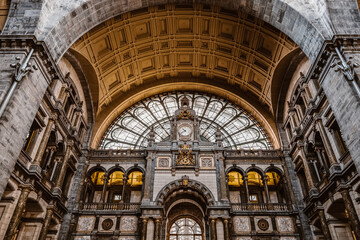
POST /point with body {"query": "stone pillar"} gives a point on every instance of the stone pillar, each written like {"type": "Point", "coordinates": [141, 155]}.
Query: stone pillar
{"type": "Point", "coordinates": [157, 229]}
{"type": "Point", "coordinates": [308, 176]}
{"type": "Point", "coordinates": [226, 229]}
{"type": "Point", "coordinates": [57, 189]}
{"type": "Point", "coordinates": [324, 225]}
{"type": "Point", "coordinates": [20, 208]}
{"type": "Point", "coordinates": [102, 198]}
{"type": "Point", "coordinates": [144, 228]}
{"type": "Point", "coordinates": [123, 189]}
{"type": "Point", "coordinates": [223, 192]}
{"type": "Point", "coordinates": [44, 142]}
{"type": "Point", "coordinates": [148, 177]}
{"type": "Point", "coordinates": [213, 229]}
{"type": "Point", "coordinates": [350, 208]}
{"type": "Point", "coordinates": [246, 189]}
{"type": "Point", "coordinates": [327, 145]}
{"type": "Point", "coordinates": [47, 220]}
{"type": "Point", "coordinates": [266, 189]}
{"type": "Point", "coordinates": [322, 160]}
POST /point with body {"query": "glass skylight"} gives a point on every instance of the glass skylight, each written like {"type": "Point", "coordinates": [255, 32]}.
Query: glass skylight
{"type": "Point", "coordinates": [131, 129]}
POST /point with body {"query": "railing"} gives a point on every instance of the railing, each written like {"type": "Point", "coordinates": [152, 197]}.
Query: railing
{"type": "Point", "coordinates": [253, 153]}
{"type": "Point", "coordinates": [117, 153]}
{"type": "Point", "coordinates": [110, 206]}
{"type": "Point", "coordinates": [261, 207]}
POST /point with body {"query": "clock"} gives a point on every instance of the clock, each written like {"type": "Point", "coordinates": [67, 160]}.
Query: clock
{"type": "Point", "coordinates": [184, 131]}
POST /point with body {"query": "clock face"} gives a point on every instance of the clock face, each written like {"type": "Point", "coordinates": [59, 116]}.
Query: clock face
{"type": "Point", "coordinates": [184, 131]}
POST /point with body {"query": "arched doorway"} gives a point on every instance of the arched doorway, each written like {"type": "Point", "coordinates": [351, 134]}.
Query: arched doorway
{"type": "Point", "coordinates": [185, 203]}
{"type": "Point", "coordinates": [185, 228]}
{"type": "Point", "coordinates": [185, 221]}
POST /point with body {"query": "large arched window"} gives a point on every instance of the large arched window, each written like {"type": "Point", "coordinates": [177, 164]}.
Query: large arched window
{"type": "Point", "coordinates": [131, 128]}
{"type": "Point", "coordinates": [185, 229]}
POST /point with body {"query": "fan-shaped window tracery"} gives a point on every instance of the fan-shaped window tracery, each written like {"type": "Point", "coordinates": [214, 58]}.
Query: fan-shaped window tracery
{"type": "Point", "coordinates": [131, 128]}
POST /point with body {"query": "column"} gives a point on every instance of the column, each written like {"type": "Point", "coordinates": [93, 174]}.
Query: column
{"type": "Point", "coordinates": [213, 229]}
{"type": "Point", "coordinates": [157, 229]}
{"type": "Point", "coordinates": [324, 225]}
{"type": "Point", "coordinates": [57, 189]}
{"type": "Point", "coordinates": [15, 219]}
{"type": "Point", "coordinates": [266, 189]}
{"type": "Point", "coordinates": [47, 220]}
{"type": "Point", "coordinates": [123, 189]}
{"type": "Point", "coordinates": [226, 229]}
{"type": "Point", "coordinates": [308, 176]}
{"type": "Point", "coordinates": [327, 145]}
{"type": "Point", "coordinates": [143, 228]}
{"type": "Point", "coordinates": [246, 189]}
{"type": "Point", "coordinates": [44, 142]}
{"type": "Point", "coordinates": [223, 195]}
{"type": "Point", "coordinates": [148, 176]}
{"type": "Point", "coordinates": [349, 205]}
{"type": "Point", "coordinates": [321, 159]}
{"type": "Point", "coordinates": [102, 198]}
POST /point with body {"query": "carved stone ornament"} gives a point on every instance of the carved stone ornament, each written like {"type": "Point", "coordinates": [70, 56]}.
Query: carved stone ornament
{"type": "Point", "coordinates": [185, 115]}
{"type": "Point", "coordinates": [206, 162]}
{"type": "Point", "coordinates": [107, 224]}
{"type": "Point", "coordinates": [185, 158]}
{"type": "Point", "coordinates": [163, 162]}
{"type": "Point", "coordinates": [263, 224]}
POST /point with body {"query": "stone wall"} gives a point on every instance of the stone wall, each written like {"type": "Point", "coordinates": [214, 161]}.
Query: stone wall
{"type": "Point", "coordinates": [20, 112]}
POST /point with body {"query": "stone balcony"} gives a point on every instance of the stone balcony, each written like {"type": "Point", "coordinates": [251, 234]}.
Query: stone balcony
{"type": "Point", "coordinates": [261, 207]}
{"type": "Point", "coordinates": [109, 206]}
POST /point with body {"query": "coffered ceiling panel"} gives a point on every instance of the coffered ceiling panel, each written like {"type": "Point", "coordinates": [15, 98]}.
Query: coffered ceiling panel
{"type": "Point", "coordinates": [168, 41]}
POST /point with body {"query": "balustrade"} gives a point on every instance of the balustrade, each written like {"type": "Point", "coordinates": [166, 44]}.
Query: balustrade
{"type": "Point", "coordinates": [261, 207]}
{"type": "Point", "coordinates": [111, 206]}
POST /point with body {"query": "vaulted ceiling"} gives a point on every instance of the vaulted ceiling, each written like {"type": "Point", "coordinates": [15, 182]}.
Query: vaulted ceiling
{"type": "Point", "coordinates": [183, 40]}
{"type": "Point", "coordinates": [229, 49]}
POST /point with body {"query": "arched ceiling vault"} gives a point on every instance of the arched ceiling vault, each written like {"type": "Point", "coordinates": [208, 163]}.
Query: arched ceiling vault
{"type": "Point", "coordinates": [227, 51]}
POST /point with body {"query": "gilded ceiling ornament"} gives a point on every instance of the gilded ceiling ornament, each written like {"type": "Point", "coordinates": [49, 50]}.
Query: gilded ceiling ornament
{"type": "Point", "coordinates": [185, 115]}
{"type": "Point", "coordinates": [185, 158]}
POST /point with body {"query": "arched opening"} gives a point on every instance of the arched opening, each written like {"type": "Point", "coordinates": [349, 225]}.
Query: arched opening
{"type": "Point", "coordinates": [185, 228]}
{"type": "Point", "coordinates": [237, 190]}
{"type": "Point", "coordinates": [94, 188]}
{"type": "Point", "coordinates": [185, 219]}
{"type": "Point", "coordinates": [115, 187]}
{"type": "Point", "coordinates": [256, 187]}
{"type": "Point", "coordinates": [340, 222]}
{"type": "Point", "coordinates": [133, 188]}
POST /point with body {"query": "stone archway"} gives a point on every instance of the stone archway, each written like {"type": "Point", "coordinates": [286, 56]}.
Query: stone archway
{"type": "Point", "coordinates": [78, 17]}
{"type": "Point", "coordinates": [192, 186]}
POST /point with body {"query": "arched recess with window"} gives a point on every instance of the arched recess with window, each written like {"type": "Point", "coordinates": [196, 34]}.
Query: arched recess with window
{"type": "Point", "coordinates": [115, 185]}
{"type": "Point", "coordinates": [236, 185]}
{"type": "Point", "coordinates": [185, 205]}
{"type": "Point", "coordinates": [256, 186]}
{"type": "Point", "coordinates": [277, 186]}
{"type": "Point", "coordinates": [134, 185]}
{"type": "Point", "coordinates": [95, 184]}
